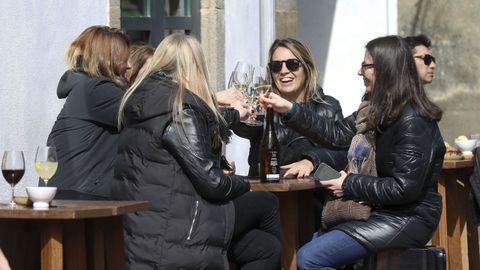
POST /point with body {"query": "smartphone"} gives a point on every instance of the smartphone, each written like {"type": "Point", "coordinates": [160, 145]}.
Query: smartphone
{"type": "Point", "coordinates": [325, 172]}
{"type": "Point", "coordinates": [224, 164]}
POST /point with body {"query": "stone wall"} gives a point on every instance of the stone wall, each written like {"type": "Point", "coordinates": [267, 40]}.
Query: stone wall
{"type": "Point", "coordinates": [453, 28]}
{"type": "Point", "coordinates": [286, 18]}
{"type": "Point", "coordinates": [213, 39]}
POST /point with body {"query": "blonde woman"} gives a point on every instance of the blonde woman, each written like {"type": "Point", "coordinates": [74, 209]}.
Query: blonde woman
{"type": "Point", "coordinates": [169, 155]}
{"type": "Point", "coordinates": [85, 132]}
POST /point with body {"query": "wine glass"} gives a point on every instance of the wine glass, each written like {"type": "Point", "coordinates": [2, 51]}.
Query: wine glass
{"type": "Point", "coordinates": [13, 168]}
{"type": "Point", "coordinates": [261, 84]}
{"type": "Point", "coordinates": [241, 79]}
{"type": "Point", "coordinates": [241, 76]}
{"type": "Point", "coordinates": [46, 163]}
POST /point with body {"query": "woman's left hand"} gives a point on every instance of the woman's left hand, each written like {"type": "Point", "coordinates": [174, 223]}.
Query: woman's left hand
{"type": "Point", "coordinates": [335, 185]}
{"type": "Point", "coordinates": [301, 168]}
{"type": "Point", "coordinates": [232, 165]}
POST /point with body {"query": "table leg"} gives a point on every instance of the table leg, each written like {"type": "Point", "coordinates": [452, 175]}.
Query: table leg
{"type": "Point", "coordinates": [457, 231]}
{"type": "Point", "coordinates": [51, 243]}
{"type": "Point", "coordinates": [440, 236]}
{"type": "Point", "coordinates": [115, 253]}
{"type": "Point", "coordinates": [106, 247]}
{"type": "Point", "coordinates": [74, 244]}
{"type": "Point", "coordinates": [96, 243]}
{"type": "Point", "coordinates": [296, 213]}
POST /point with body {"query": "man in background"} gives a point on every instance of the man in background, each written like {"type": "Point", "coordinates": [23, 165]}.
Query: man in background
{"type": "Point", "coordinates": [420, 46]}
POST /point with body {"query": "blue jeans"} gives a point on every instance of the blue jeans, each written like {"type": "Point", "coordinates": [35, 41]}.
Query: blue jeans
{"type": "Point", "coordinates": [330, 250]}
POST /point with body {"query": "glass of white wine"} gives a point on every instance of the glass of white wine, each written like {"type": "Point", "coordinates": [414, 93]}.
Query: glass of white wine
{"type": "Point", "coordinates": [46, 163]}
{"type": "Point", "coordinates": [241, 76]}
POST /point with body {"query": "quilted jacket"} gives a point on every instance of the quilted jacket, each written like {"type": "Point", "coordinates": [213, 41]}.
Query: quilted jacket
{"type": "Point", "coordinates": [189, 223]}
{"type": "Point", "coordinates": [409, 157]}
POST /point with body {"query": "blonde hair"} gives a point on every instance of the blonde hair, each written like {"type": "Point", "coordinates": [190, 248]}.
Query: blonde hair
{"type": "Point", "coordinates": [308, 63]}
{"type": "Point", "coordinates": [181, 57]}
{"type": "Point", "coordinates": [99, 51]}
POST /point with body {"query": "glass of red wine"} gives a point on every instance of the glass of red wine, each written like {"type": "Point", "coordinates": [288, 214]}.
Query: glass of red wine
{"type": "Point", "coordinates": [13, 168]}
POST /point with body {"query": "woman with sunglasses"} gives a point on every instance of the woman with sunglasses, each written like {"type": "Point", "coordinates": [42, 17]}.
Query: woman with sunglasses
{"type": "Point", "coordinates": [294, 78]}
{"type": "Point", "coordinates": [401, 124]}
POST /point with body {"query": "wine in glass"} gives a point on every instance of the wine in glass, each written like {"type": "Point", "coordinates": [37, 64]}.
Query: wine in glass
{"type": "Point", "coordinates": [46, 163]}
{"type": "Point", "coordinates": [241, 76]}
{"type": "Point", "coordinates": [13, 168]}
{"type": "Point", "coordinates": [261, 84]}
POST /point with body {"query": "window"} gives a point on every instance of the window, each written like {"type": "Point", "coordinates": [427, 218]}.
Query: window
{"type": "Point", "coordinates": [148, 21]}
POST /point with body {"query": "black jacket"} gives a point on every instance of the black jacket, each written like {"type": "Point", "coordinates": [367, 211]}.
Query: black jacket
{"type": "Point", "coordinates": [190, 219]}
{"type": "Point", "coordinates": [295, 144]}
{"type": "Point", "coordinates": [409, 157]}
{"type": "Point", "coordinates": [85, 136]}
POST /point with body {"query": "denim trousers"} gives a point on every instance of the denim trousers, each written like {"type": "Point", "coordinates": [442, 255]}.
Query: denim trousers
{"type": "Point", "coordinates": [330, 250]}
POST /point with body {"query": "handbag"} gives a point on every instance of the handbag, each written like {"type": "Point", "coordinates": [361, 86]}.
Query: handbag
{"type": "Point", "coordinates": [340, 210]}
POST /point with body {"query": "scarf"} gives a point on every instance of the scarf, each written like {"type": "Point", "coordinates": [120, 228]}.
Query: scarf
{"type": "Point", "coordinates": [361, 154]}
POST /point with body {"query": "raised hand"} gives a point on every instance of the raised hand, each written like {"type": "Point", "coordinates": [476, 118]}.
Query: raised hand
{"type": "Point", "coordinates": [272, 100]}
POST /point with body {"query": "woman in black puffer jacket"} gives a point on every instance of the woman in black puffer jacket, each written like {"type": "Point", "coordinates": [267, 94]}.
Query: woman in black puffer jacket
{"type": "Point", "coordinates": [169, 154]}
{"type": "Point", "coordinates": [409, 153]}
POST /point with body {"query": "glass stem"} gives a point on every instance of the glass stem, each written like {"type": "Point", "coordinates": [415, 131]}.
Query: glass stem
{"type": "Point", "coordinates": [12, 201]}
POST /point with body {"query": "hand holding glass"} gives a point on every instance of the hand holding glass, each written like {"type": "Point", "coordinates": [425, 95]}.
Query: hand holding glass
{"type": "Point", "coordinates": [13, 168]}
{"type": "Point", "coordinates": [46, 162]}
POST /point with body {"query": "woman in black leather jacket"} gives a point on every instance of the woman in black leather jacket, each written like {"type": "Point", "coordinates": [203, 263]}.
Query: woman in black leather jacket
{"type": "Point", "coordinates": [409, 153]}
{"type": "Point", "coordinates": [294, 77]}
{"type": "Point", "coordinates": [169, 155]}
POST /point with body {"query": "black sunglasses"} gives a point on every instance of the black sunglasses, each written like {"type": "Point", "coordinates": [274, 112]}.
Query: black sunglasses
{"type": "Point", "coordinates": [427, 59]}
{"type": "Point", "coordinates": [292, 65]}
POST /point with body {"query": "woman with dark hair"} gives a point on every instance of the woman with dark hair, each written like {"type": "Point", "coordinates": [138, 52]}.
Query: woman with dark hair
{"type": "Point", "coordinates": [140, 57]}
{"type": "Point", "coordinates": [294, 77]}
{"type": "Point", "coordinates": [85, 133]}
{"type": "Point", "coordinates": [396, 125]}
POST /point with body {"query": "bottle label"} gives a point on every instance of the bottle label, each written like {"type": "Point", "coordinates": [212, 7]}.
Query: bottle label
{"type": "Point", "coordinates": [271, 177]}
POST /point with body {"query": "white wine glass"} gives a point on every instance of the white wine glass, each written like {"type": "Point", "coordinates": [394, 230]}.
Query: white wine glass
{"type": "Point", "coordinates": [241, 76]}
{"type": "Point", "coordinates": [261, 84]}
{"type": "Point", "coordinates": [13, 168]}
{"type": "Point", "coordinates": [241, 79]}
{"type": "Point", "coordinates": [46, 163]}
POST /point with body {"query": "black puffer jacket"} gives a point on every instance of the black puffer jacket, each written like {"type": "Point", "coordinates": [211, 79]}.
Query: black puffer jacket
{"type": "Point", "coordinates": [295, 144]}
{"type": "Point", "coordinates": [85, 136]}
{"type": "Point", "coordinates": [409, 157]}
{"type": "Point", "coordinates": [190, 220]}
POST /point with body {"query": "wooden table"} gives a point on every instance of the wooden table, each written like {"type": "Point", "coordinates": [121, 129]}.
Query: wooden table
{"type": "Point", "coordinates": [70, 235]}
{"type": "Point", "coordinates": [296, 213]}
{"type": "Point", "coordinates": [457, 231]}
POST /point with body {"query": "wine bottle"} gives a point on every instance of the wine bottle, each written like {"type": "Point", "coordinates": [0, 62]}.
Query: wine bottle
{"type": "Point", "coordinates": [269, 152]}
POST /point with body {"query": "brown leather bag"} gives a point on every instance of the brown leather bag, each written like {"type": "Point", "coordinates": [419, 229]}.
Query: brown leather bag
{"type": "Point", "coordinates": [340, 210]}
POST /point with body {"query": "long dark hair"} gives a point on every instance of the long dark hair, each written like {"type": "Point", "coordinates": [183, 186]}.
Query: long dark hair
{"type": "Point", "coordinates": [396, 83]}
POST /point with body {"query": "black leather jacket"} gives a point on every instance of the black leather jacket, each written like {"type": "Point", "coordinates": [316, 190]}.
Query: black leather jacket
{"type": "Point", "coordinates": [409, 157]}
{"type": "Point", "coordinates": [295, 143]}
{"type": "Point", "coordinates": [190, 219]}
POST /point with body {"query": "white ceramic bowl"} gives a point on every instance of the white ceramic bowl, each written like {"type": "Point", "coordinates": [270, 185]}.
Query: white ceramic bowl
{"type": "Point", "coordinates": [466, 146]}
{"type": "Point", "coordinates": [41, 196]}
